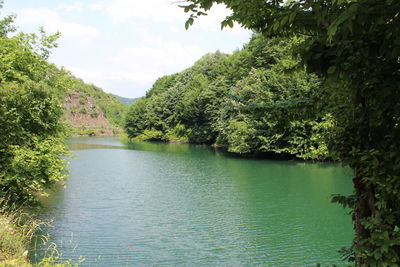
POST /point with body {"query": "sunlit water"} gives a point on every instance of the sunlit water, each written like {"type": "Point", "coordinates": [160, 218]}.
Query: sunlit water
{"type": "Point", "coordinates": [156, 204]}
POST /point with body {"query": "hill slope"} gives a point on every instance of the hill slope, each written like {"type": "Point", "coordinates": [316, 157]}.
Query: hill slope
{"type": "Point", "coordinates": [257, 100]}
{"type": "Point", "coordinates": [126, 101]}
{"type": "Point", "coordinates": [91, 111]}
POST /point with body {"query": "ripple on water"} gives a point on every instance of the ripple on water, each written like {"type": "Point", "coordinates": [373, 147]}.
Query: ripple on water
{"type": "Point", "coordinates": [181, 205]}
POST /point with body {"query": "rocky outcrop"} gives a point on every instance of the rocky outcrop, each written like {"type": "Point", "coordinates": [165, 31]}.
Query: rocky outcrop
{"type": "Point", "coordinates": [86, 117]}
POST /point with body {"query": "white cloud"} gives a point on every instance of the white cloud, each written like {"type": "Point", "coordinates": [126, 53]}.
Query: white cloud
{"type": "Point", "coordinates": [155, 10]}
{"type": "Point", "coordinates": [90, 76]}
{"type": "Point", "coordinates": [212, 22]}
{"type": "Point", "coordinates": [125, 83]}
{"type": "Point", "coordinates": [155, 58]}
{"type": "Point", "coordinates": [71, 7]}
{"type": "Point", "coordinates": [97, 5]}
{"type": "Point", "coordinates": [51, 21]}
{"type": "Point", "coordinates": [144, 64]}
{"type": "Point", "coordinates": [167, 11]}
{"type": "Point", "coordinates": [125, 56]}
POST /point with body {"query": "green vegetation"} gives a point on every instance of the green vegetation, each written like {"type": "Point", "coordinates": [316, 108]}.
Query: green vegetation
{"type": "Point", "coordinates": [353, 47]}
{"type": "Point", "coordinates": [126, 101]}
{"type": "Point", "coordinates": [83, 131]}
{"type": "Point", "coordinates": [74, 110]}
{"type": "Point", "coordinates": [94, 112]}
{"type": "Point", "coordinates": [30, 117]}
{"type": "Point", "coordinates": [82, 101]}
{"type": "Point", "coordinates": [14, 240]}
{"type": "Point", "coordinates": [83, 110]}
{"type": "Point", "coordinates": [112, 109]}
{"type": "Point", "coordinates": [256, 100]}
{"type": "Point", "coordinates": [16, 231]}
{"type": "Point", "coordinates": [32, 133]}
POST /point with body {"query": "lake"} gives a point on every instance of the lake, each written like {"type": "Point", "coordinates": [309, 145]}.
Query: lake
{"type": "Point", "coordinates": [158, 204]}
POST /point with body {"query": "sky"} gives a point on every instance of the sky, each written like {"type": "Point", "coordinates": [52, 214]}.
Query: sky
{"type": "Point", "coordinates": [123, 46]}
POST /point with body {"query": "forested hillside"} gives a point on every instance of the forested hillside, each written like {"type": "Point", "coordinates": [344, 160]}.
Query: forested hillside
{"type": "Point", "coordinates": [126, 101]}
{"type": "Point", "coordinates": [256, 100]}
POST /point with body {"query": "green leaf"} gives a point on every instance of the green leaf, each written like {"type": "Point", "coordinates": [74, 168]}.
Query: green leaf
{"type": "Point", "coordinates": [292, 16]}
{"type": "Point", "coordinates": [331, 69]}
{"type": "Point", "coordinates": [188, 23]}
{"type": "Point", "coordinates": [284, 20]}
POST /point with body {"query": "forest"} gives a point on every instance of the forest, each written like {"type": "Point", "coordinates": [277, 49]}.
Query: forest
{"type": "Point", "coordinates": [257, 100]}
{"type": "Point", "coordinates": [319, 80]}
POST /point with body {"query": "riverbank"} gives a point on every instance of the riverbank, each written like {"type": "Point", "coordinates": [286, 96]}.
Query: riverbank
{"type": "Point", "coordinates": [270, 155]}
{"type": "Point", "coordinates": [104, 132]}
{"type": "Point", "coordinates": [13, 242]}
{"type": "Point", "coordinates": [16, 232]}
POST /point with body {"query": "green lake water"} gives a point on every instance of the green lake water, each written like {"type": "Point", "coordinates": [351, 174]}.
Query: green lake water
{"type": "Point", "coordinates": [156, 204]}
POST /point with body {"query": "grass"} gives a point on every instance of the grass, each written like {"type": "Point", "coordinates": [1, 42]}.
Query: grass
{"type": "Point", "coordinates": [17, 229]}
{"type": "Point", "coordinates": [14, 239]}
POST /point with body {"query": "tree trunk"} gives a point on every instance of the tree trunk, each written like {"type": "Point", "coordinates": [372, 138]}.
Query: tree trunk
{"type": "Point", "coordinates": [364, 192]}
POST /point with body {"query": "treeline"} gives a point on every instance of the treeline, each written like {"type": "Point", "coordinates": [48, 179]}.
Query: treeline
{"type": "Point", "coordinates": [258, 99]}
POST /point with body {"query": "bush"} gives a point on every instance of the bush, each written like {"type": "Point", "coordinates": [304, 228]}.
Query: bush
{"type": "Point", "coordinates": [150, 135]}
{"type": "Point", "coordinates": [240, 137]}
{"type": "Point", "coordinates": [74, 110]}
{"type": "Point", "coordinates": [82, 101]}
{"type": "Point", "coordinates": [31, 141]}
{"type": "Point", "coordinates": [94, 112]}
{"type": "Point", "coordinates": [178, 133]}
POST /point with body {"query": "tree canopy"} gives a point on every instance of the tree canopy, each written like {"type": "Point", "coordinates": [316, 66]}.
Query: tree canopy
{"type": "Point", "coordinates": [354, 46]}
{"type": "Point", "coordinates": [253, 101]}
{"type": "Point", "coordinates": [32, 128]}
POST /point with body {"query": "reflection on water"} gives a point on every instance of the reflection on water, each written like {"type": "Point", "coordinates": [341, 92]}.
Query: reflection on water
{"type": "Point", "coordinates": [160, 204]}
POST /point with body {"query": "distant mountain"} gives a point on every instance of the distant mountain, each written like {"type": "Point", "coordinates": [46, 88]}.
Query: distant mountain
{"type": "Point", "coordinates": [126, 101]}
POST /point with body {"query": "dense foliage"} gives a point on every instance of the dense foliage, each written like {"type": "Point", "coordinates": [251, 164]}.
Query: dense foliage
{"type": "Point", "coordinates": [354, 46]}
{"type": "Point", "coordinates": [255, 100]}
{"type": "Point", "coordinates": [30, 117]}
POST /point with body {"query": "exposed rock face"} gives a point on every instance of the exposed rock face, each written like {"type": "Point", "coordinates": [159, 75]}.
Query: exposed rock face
{"type": "Point", "coordinates": [86, 117]}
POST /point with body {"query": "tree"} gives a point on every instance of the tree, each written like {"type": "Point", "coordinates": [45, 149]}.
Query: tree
{"type": "Point", "coordinates": [254, 100]}
{"type": "Point", "coordinates": [31, 144]}
{"type": "Point", "coordinates": [354, 46]}
{"type": "Point", "coordinates": [32, 131]}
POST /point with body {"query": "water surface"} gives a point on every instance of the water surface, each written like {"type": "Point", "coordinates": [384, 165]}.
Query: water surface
{"type": "Point", "coordinates": [156, 204]}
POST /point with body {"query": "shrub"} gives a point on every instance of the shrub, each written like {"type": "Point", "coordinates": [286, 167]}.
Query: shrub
{"type": "Point", "coordinates": [150, 135]}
